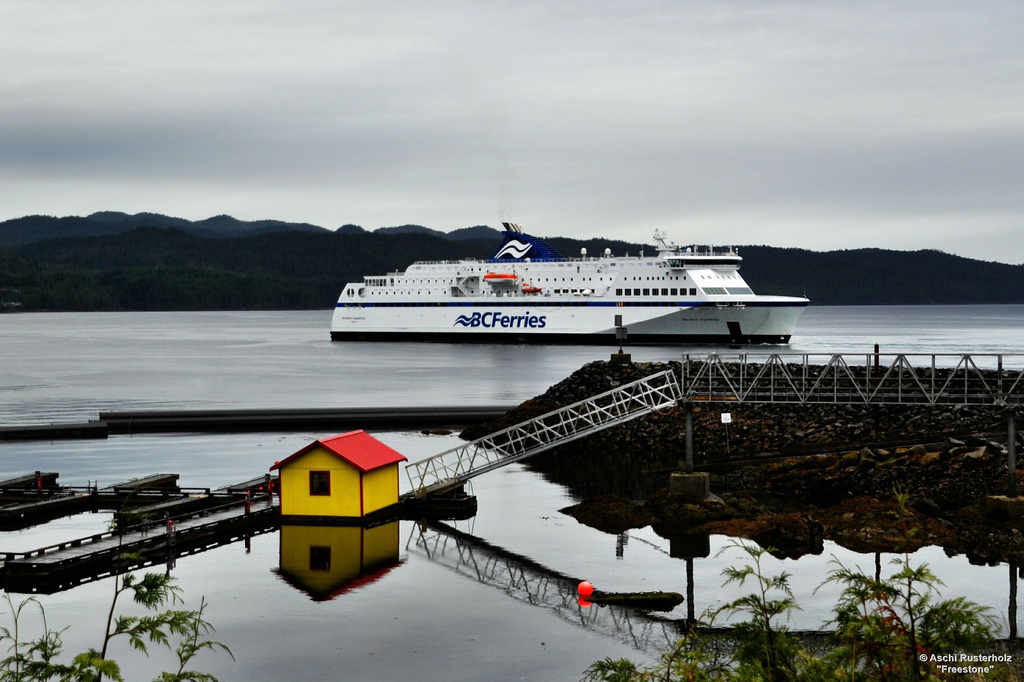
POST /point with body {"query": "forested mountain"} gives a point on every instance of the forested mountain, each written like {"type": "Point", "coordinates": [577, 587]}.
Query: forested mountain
{"type": "Point", "coordinates": [37, 228]}
{"type": "Point", "coordinates": [270, 265]}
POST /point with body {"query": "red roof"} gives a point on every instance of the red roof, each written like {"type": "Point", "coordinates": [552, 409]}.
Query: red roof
{"type": "Point", "coordinates": [358, 448]}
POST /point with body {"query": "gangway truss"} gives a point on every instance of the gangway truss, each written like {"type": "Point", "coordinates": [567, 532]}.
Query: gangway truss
{"type": "Point", "coordinates": [871, 379]}
{"type": "Point", "coordinates": [452, 468]}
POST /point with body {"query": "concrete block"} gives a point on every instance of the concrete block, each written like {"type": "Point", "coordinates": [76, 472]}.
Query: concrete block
{"type": "Point", "coordinates": [1003, 507]}
{"type": "Point", "coordinates": [697, 546]}
{"type": "Point", "coordinates": [696, 485]}
{"type": "Point", "coordinates": [621, 358]}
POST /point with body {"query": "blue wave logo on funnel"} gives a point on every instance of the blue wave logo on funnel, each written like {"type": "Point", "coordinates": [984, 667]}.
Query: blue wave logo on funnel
{"type": "Point", "coordinates": [518, 246]}
{"type": "Point", "coordinates": [513, 249]}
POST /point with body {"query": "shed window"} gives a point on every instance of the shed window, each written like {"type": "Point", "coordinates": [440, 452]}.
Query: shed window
{"type": "Point", "coordinates": [319, 558]}
{"type": "Point", "coordinates": [319, 482]}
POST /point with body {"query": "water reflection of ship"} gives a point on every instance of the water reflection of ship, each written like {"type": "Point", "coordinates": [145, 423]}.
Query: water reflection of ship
{"type": "Point", "coordinates": [325, 561]}
{"type": "Point", "coordinates": [526, 580]}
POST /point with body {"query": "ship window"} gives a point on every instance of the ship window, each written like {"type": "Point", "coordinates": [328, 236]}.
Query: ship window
{"type": "Point", "coordinates": [664, 292]}
{"type": "Point", "coordinates": [693, 291]}
{"type": "Point", "coordinates": [647, 292]}
{"type": "Point", "coordinates": [675, 292]}
{"type": "Point", "coordinates": [618, 292]}
{"type": "Point", "coordinates": [739, 290]}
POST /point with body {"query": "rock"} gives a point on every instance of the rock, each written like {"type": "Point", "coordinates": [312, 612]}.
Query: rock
{"type": "Point", "coordinates": [995, 449]}
{"type": "Point", "coordinates": [786, 536]}
{"type": "Point", "coordinates": [609, 514]}
{"type": "Point", "coordinates": [926, 506]}
{"type": "Point", "coordinates": [866, 524]}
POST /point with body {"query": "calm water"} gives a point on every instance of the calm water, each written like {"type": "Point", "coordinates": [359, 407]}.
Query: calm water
{"type": "Point", "coordinates": [423, 619]}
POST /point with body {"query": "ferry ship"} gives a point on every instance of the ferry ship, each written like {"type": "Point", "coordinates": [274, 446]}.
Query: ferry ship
{"type": "Point", "coordinates": [527, 292]}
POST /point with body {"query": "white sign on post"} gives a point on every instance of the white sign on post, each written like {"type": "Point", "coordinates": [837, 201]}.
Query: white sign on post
{"type": "Point", "coordinates": [727, 417]}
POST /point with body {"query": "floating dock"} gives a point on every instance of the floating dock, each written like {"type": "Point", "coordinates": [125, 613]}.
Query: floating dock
{"type": "Point", "coordinates": [156, 521]}
{"type": "Point", "coordinates": [35, 498]}
{"type": "Point", "coordinates": [221, 421]}
{"type": "Point", "coordinates": [67, 564]}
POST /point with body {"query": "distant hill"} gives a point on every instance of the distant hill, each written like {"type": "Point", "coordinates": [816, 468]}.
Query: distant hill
{"type": "Point", "coordinates": [409, 229]}
{"type": "Point", "coordinates": [115, 261]}
{"type": "Point", "coordinates": [480, 232]}
{"type": "Point", "coordinates": [465, 233]}
{"type": "Point", "coordinates": [37, 228]}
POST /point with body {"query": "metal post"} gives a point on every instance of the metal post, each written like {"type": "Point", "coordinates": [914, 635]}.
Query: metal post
{"type": "Point", "coordinates": [170, 546]}
{"type": "Point", "coordinates": [1011, 451]}
{"type": "Point", "coordinates": [1012, 613]}
{"type": "Point", "coordinates": [690, 620]}
{"type": "Point", "coordinates": [689, 438]}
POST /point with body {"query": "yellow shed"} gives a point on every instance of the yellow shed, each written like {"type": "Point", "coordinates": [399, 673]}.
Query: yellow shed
{"type": "Point", "coordinates": [350, 475]}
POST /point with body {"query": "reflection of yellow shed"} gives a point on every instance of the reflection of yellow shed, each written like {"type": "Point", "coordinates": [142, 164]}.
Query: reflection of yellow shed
{"type": "Point", "coordinates": [350, 475]}
{"type": "Point", "coordinates": [325, 561]}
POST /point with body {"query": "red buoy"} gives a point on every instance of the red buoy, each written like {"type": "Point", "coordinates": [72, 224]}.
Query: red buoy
{"type": "Point", "coordinates": [585, 588]}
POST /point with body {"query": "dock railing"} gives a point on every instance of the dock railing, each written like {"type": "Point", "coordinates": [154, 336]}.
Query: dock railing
{"type": "Point", "coordinates": [872, 378]}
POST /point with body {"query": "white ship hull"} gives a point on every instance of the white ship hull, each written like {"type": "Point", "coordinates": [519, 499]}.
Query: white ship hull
{"type": "Point", "coordinates": [670, 298]}
{"type": "Point", "coordinates": [760, 322]}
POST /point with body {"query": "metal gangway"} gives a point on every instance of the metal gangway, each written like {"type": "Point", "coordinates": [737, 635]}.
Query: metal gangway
{"type": "Point", "coordinates": [454, 467]}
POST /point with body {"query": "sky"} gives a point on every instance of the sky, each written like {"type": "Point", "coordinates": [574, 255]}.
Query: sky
{"type": "Point", "coordinates": [822, 124]}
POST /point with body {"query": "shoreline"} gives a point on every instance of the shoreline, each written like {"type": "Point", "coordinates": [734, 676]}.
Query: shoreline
{"type": "Point", "coordinates": [791, 476]}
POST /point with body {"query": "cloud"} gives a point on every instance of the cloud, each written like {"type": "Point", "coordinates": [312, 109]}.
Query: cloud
{"type": "Point", "coordinates": [789, 123]}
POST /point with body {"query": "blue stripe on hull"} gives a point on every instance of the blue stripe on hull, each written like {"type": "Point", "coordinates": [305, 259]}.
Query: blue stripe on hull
{"type": "Point", "coordinates": [556, 338]}
{"type": "Point", "coordinates": [563, 304]}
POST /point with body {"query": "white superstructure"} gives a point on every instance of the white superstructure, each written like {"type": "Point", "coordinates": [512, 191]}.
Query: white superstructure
{"type": "Point", "coordinates": [529, 293]}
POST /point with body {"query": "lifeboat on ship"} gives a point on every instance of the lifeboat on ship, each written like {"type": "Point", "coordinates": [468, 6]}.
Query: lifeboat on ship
{"type": "Point", "coordinates": [502, 280]}
{"type": "Point", "coordinates": [530, 289]}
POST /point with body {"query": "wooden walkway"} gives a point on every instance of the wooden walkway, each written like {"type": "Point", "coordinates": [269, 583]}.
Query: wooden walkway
{"type": "Point", "coordinates": [36, 498]}
{"type": "Point", "coordinates": [67, 564]}
{"type": "Point", "coordinates": [157, 522]}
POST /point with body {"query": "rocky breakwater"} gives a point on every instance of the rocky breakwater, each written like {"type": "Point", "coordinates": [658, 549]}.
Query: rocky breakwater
{"type": "Point", "coordinates": [790, 476]}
